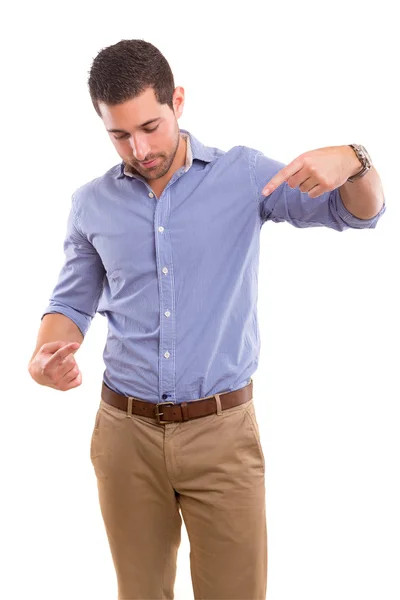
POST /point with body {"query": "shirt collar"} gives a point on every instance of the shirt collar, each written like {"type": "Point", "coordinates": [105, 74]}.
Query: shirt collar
{"type": "Point", "coordinates": [195, 150]}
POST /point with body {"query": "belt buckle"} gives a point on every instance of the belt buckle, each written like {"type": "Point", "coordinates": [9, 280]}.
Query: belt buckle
{"type": "Point", "coordinates": [157, 413]}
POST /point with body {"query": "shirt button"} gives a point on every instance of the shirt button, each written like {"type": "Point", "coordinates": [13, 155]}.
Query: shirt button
{"type": "Point", "coordinates": [165, 270]}
{"type": "Point", "coordinates": [161, 229]}
{"type": "Point", "coordinates": [166, 354]}
{"type": "Point", "coordinates": [167, 313]}
{"type": "Point", "coordinates": [151, 195]}
{"type": "Point", "coordinates": [164, 396]}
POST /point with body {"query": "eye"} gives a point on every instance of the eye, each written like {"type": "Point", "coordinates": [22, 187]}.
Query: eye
{"type": "Point", "coordinates": [150, 130]}
{"type": "Point", "coordinates": [126, 135]}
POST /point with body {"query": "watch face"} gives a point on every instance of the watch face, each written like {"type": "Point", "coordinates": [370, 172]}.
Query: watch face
{"type": "Point", "coordinates": [367, 156]}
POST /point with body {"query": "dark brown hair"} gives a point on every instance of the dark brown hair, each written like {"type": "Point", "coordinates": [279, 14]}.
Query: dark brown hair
{"type": "Point", "coordinates": [125, 70]}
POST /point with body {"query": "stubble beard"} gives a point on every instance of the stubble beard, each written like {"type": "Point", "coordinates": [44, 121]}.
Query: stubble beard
{"type": "Point", "coordinates": [165, 165]}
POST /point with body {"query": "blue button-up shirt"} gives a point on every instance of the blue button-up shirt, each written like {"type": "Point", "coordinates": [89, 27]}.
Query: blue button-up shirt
{"type": "Point", "coordinates": [176, 276]}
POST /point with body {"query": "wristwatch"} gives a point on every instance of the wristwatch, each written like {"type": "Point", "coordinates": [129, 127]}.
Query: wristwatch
{"type": "Point", "coordinates": [364, 159]}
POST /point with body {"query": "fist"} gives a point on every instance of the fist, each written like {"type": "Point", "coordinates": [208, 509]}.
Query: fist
{"type": "Point", "coordinates": [54, 365]}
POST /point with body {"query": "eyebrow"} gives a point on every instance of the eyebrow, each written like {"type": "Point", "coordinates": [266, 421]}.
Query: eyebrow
{"type": "Point", "coordinates": [142, 125]}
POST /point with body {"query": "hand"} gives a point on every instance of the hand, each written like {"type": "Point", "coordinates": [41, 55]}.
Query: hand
{"type": "Point", "coordinates": [54, 365]}
{"type": "Point", "coordinates": [317, 171]}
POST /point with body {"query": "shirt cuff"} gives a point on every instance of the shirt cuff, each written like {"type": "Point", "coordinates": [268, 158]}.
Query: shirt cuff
{"type": "Point", "coordinates": [81, 321]}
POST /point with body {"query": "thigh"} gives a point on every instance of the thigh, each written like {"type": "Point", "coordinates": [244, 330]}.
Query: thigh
{"type": "Point", "coordinates": [222, 498]}
{"type": "Point", "coordinates": [137, 502]}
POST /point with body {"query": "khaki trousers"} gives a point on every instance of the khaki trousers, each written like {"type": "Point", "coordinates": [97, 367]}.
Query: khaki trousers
{"type": "Point", "coordinates": [210, 470]}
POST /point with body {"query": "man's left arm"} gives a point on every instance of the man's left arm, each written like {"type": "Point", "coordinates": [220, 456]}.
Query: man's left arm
{"type": "Point", "coordinates": [326, 169]}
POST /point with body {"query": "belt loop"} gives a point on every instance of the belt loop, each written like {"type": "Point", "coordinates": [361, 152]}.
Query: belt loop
{"type": "Point", "coordinates": [218, 401]}
{"type": "Point", "coordinates": [184, 410]}
{"type": "Point", "coordinates": [129, 409]}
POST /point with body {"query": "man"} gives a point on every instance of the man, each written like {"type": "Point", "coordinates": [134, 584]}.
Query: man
{"type": "Point", "coordinates": [166, 246]}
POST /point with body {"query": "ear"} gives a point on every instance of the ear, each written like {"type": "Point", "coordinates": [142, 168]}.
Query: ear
{"type": "Point", "coordinates": [178, 101]}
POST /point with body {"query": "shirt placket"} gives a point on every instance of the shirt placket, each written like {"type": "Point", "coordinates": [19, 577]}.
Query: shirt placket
{"type": "Point", "coordinates": [165, 274]}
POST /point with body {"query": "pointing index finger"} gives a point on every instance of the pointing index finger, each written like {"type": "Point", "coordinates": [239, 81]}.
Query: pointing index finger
{"type": "Point", "coordinates": [282, 176]}
{"type": "Point", "coordinates": [62, 353]}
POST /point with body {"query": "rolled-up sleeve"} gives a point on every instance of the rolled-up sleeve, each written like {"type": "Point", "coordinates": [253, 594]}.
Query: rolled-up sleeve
{"type": "Point", "coordinates": [80, 282]}
{"type": "Point", "coordinates": [286, 204]}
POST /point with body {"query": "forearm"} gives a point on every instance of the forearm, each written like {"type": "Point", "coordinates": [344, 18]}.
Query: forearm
{"type": "Point", "coordinates": [57, 327]}
{"type": "Point", "coordinates": [364, 197]}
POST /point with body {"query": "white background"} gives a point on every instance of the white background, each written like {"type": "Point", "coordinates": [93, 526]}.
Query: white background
{"type": "Point", "coordinates": [283, 77]}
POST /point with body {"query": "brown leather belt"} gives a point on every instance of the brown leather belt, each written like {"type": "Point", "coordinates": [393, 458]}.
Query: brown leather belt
{"type": "Point", "coordinates": [183, 411]}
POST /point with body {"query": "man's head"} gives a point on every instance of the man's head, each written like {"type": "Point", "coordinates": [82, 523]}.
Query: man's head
{"type": "Point", "coordinates": [131, 84]}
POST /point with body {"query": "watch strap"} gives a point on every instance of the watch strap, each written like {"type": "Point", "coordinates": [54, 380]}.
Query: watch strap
{"type": "Point", "coordinates": [365, 163]}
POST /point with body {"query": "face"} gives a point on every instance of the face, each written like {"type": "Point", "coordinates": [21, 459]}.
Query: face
{"type": "Point", "coordinates": [141, 130]}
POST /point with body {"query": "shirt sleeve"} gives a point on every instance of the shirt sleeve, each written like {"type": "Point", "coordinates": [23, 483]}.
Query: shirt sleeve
{"type": "Point", "coordinates": [80, 282]}
{"type": "Point", "coordinates": [286, 204]}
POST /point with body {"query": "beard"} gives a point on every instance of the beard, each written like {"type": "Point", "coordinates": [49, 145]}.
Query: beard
{"type": "Point", "coordinates": [161, 169]}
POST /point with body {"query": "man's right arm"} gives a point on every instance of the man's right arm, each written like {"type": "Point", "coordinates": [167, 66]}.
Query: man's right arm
{"type": "Point", "coordinates": [81, 280]}
{"type": "Point", "coordinates": [72, 306]}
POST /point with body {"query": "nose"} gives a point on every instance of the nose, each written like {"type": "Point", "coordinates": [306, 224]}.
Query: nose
{"type": "Point", "coordinates": [140, 148]}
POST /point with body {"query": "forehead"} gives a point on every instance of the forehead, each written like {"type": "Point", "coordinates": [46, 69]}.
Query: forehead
{"type": "Point", "coordinates": [134, 111]}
